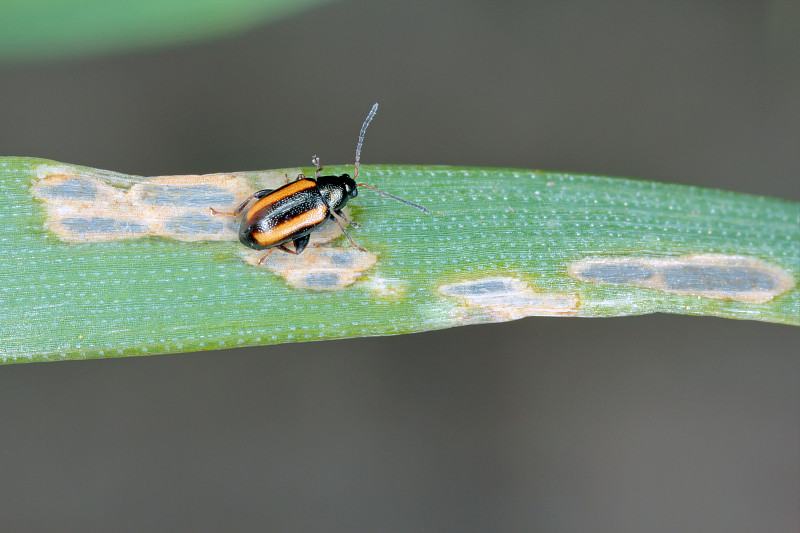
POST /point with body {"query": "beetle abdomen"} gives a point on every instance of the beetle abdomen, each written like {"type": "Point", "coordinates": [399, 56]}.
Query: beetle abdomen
{"type": "Point", "coordinates": [283, 215]}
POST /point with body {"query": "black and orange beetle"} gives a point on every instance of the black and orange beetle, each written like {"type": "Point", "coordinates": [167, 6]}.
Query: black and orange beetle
{"type": "Point", "coordinates": [293, 211]}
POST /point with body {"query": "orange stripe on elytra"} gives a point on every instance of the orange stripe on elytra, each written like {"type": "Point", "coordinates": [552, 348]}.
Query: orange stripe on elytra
{"type": "Point", "coordinates": [296, 224]}
{"type": "Point", "coordinates": [278, 195]}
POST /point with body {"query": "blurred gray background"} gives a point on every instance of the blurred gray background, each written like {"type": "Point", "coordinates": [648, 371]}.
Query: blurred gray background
{"type": "Point", "coordinates": [654, 423]}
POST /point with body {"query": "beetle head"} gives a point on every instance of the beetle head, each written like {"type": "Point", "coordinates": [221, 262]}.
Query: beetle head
{"type": "Point", "coordinates": [349, 184]}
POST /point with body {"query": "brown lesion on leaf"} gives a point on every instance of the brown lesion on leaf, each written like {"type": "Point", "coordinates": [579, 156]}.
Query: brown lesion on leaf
{"type": "Point", "coordinates": [716, 276]}
{"type": "Point", "coordinates": [502, 298]}
{"type": "Point", "coordinates": [317, 268]}
{"type": "Point", "coordinates": [88, 207]}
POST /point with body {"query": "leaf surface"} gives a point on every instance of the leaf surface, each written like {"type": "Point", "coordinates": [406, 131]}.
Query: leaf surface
{"type": "Point", "coordinates": [100, 264]}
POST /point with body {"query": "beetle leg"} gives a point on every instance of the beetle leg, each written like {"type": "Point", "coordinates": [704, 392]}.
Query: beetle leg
{"type": "Point", "coordinates": [257, 194]}
{"type": "Point", "coordinates": [315, 160]}
{"type": "Point", "coordinates": [349, 222]}
{"type": "Point", "coordinates": [301, 243]}
{"type": "Point", "coordinates": [336, 218]}
{"type": "Point", "coordinates": [263, 257]}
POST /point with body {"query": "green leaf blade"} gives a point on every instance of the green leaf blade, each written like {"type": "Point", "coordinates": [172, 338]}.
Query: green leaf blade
{"type": "Point", "coordinates": [498, 245]}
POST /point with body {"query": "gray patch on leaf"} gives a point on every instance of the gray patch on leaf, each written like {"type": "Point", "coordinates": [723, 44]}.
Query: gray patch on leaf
{"type": "Point", "coordinates": [733, 279]}
{"type": "Point", "coordinates": [317, 268]}
{"type": "Point", "coordinates": [476, 288]}
{"type": "Point", "coordinates": [616, 273]}
{"type": "Point", "coordinates": [715, 276]}
{"type": "Point", "coordinates": [71, 189]}
{"type": "Point", "coordinates": [186, 196]}
{"type": "Point", "coordinates": [498, 299]}
{"type": "Point", "coordinates": [103, 225]}
{"type": "Point", "coordinates": [322, 280]}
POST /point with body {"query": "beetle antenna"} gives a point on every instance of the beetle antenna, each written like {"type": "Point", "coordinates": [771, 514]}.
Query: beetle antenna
{"type": "Point", "coordinates": [412, 204]}
{"type": "Point", "coordinates": [369, 118]}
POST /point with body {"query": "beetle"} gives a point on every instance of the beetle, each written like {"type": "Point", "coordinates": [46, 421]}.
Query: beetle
{"type": "Point", "coordinates": [292, 212]}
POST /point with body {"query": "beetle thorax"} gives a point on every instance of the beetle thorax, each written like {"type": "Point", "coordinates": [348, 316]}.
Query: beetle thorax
{"type": "Point", "coordinates": [337, 190]}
